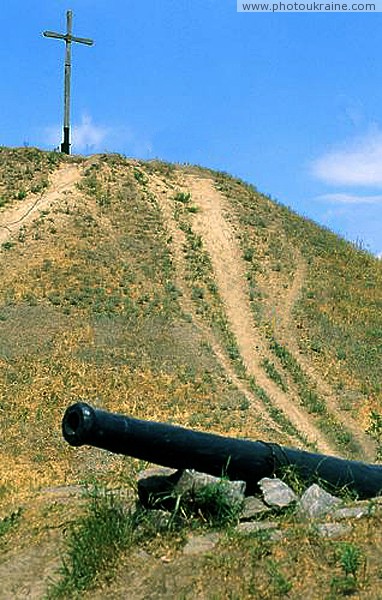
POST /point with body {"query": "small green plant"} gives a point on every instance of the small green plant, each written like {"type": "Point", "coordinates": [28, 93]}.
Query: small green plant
{"type": "Point", "coordinates": [280, 584]}
{"type": "Point", "coordinates": [94, 543]}
{"type": "Point", "coordinates": [212, 504]}
{"type": "Point", "coordinates": [291, 476]}
{"type": "Point", "coordinates": [216, 507]}
{"type": "Point", "coordinates": [140, 177]}
{"type": "Point", "coordinates": [350, 558]}
{"type": "Point", "coordinates": [22, 234]}
{"type": "Point", "coordinates": [197, 293]}
{"type": "Point", "coordinates": [272, 372]}
{"type": "Point", "coordinates": [103, 199]}
{"type": "Point", "coordinates": [233, 351]}
{"type": "Point", "coordinates": [9, 522]}
{"type": "Point", "coordinates": [39, 186]}
{"type": "Point", "coordinates": [7, 245]}
{"type": "Point", "coordinates": [375, 430]}
{"type": "Point", "coordinates": [248, 254]}
{"type": "Point", "coordinates": [311, 400]}
{"type": "Point", "coordinates": [183, 197]}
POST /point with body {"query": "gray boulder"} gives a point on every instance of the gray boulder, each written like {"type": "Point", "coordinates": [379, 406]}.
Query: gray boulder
{"type": "Point", "coordinates": [315, 502]}
{"type": "Point", "coordinates": [276, 492]}
{"type": "Point", "coordinates": [255, 527]}
{"type": "Point", "coordinates": [252, 508]}
{"type": "Point", "coordinates": [351, 512]}
{"type": "Point", "coordinates": [191, 482]}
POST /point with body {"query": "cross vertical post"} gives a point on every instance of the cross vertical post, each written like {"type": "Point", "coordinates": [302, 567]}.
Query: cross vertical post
{"type": "Point", "coordinates": [68, 38]}
{"type": "Point", "coordinates": [65, 146]}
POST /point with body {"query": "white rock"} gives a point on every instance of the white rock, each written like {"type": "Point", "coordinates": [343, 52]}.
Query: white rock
{"type": "Point", "coordinates": [315, 502]}
{"type": "Point", "coordinates": [276, 492]}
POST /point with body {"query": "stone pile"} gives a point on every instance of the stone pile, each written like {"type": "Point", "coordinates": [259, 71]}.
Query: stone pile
{"type": "Point", "coordinates": [159, 489]}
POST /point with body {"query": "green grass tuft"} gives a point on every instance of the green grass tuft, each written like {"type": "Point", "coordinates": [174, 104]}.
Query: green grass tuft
{"type": "Point", "coordinates": [93, 544]}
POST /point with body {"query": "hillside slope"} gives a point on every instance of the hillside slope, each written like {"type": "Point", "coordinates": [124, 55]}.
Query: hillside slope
{"type": "Point", "coordinates": [179, 294]}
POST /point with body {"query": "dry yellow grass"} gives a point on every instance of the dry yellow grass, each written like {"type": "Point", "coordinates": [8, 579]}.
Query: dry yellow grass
{"type": "Point", "coordinates": [90, 309]}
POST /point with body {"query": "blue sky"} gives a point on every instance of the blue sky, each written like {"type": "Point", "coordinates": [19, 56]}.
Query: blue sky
{"type": "Point", "coordinates": [289, 102]}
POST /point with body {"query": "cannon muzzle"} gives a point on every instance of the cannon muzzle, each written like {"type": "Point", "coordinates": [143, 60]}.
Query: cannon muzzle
{"type": "Point", "coordinates": [78, 422]}
{"type": "Point", "coordinates": [237, 459]}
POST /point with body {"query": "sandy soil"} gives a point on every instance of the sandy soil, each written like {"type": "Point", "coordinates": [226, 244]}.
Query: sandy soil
{"type": "Point", "coordinates": [220, 241]}
{"type": "Point", "coordinates": [164, 197]}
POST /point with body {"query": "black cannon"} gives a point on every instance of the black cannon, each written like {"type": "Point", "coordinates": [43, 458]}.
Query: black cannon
{"type": "Point", "coordinates": [237, 459]}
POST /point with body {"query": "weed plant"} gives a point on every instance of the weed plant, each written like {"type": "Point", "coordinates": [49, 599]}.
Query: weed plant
{"type": "Point", "coordinates": [94, 543]}
{"type": "Point", "coordinates": [349, 557]}
{"type": "Point", "coordinates": [8, 523]}
{"type": "Point", "coordinates": [273, 373]}
{"type": "Point", "coordinates": [375, 430]}
{"type": "Point", "coordinates": [211, 505]}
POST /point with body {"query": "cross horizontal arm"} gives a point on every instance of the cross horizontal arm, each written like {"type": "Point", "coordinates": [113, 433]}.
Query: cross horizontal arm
{"type": "Point", "coordinates": [68, 38]}
{"type": "Point", "coordinates": [86, 41]}
{"type": "Point", "coordinates": [53, 34]}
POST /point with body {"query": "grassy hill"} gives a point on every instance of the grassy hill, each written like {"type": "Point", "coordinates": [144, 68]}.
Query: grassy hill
{"type": "Point", "coordinates": [179, 294]}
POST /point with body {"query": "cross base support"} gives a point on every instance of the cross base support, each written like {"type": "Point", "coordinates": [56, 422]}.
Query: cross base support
{"type": "Point", "coordinates": [65, 146]}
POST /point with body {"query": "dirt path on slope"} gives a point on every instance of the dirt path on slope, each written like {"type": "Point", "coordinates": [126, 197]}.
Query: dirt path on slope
{"type": "Point", "coordinates": [60, 182]}
{"type": "Point", "coordinates": [164, 197]}
{"type": "Point", "coordinates": [285, 328]}
{"type": "Point", "coordinates": [220, 241]}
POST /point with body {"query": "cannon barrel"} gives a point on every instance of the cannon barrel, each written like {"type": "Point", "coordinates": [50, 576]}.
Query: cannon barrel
{"type": "Point", "coordinates": [238, 459]}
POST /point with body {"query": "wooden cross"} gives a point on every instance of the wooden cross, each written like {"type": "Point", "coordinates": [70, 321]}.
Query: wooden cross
{"type": "Point", "coordinates": [69, 38]}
